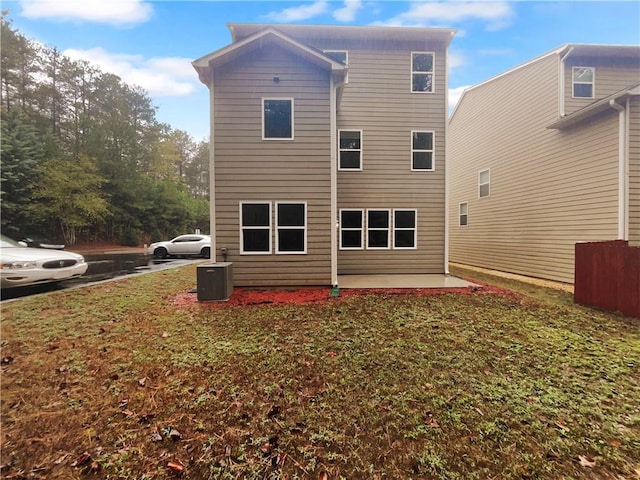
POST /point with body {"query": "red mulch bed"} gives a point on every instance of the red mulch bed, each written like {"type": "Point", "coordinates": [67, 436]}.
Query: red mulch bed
{"type": "Point", "coordinates": [304, 295]}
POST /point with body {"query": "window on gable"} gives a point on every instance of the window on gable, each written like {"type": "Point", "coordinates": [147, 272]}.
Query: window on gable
{"type": "Point", "coordinates": [463, 214]}
{"type": "Point", "coordinates": [350, 150]}
{"type": "Point", "coordinates": [277, 118]}
{"type": "Point", "coordinates": [583, 81]}
{"type": "Point", "coordinates": [255, 228]}
{"type": "Point", "coordinates": [291, 227]}
{"type": "Point", "coordinates": [378, 229]}
{"type": "Point", "coordinates": [341, 56]}
{"type": "Point", "coordinates": [351, 229]}
{"type": "Point", "coordinates": [484, 183]}
{"type": "Point", "coordinates": [404, 229]}
{"type": "Point", "coordinates": [422, 72]}
{"type": "Point", "coordinates": [422, 151]}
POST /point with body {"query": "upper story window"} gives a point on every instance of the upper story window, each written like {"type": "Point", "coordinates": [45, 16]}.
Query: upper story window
{"type": "Point", "coordinates": [277, 118]}
{"type": "Point", "coordinates": [341, 56]}
{"type": "Point", "coordinates": [350, 150]}
{"type": "Point", "coordinates": [422, 72]}
{"type": "Point", "coordinates": [484, 183]}
{"type": "Point", "coordinates": [583, 82]}
{"type": "Point", "coordinates": [422, 150]}
{"type": "Point", "coordinates": [291, 227]}
{"type": "Point", "coordinates": [255, 228]}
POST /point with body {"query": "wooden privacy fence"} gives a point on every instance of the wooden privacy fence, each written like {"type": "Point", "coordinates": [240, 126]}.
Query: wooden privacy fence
{"type": "Point", "coordinates": [607, 276]}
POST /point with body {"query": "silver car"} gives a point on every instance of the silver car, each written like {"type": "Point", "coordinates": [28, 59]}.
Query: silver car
{"type": "Point", "coordinates": [182, 245]}
{"type": "Point", "coordinates": [23, 266]}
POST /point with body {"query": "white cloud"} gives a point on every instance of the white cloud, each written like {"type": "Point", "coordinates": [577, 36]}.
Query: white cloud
{"type": "Point", "coordinates": [301, 12]}
{"type": "Point", "coordinates": [114, 12]}
{"type": "Point", "coordinates": [454, 96]}
{"type": "Point", "coordinates": [348, 12]}
{"type": "Point", "coordinates": [497, 14]}
{"type": "Point", "coordinates": [456, 59]}
{"type": "Point", "coordinates": [168, 76]}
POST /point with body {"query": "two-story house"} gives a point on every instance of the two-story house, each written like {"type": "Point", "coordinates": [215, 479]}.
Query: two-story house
{"type": "Point", "coordinates": [544, 156]}
{"type": "Point", "coordinates": [328, 152]}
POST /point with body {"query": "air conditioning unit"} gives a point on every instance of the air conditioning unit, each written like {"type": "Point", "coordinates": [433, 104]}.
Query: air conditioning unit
{"type": "Point", "coordinates": [215, 281]}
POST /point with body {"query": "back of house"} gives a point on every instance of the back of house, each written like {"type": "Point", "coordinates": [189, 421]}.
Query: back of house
{"type": "Point", "coordinates": [544, 156]}
{"type": "Point", "coordinates": [328, 151]}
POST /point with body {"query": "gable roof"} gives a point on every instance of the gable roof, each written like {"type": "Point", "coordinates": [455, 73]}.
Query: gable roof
{"type": "Point", "coordinates": [573, 49]}
{"type": "Point", "coordinates": [205, 65]}
{"type": "Point", "coordinates": [596, 107]}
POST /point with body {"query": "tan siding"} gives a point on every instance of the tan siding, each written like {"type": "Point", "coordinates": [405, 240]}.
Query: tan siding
{"type": "Point", "coordinates": [634, 169]}
{"type": "Point", "coordinates": [611, 76]}
{"type": "Point", "coordinates": [549, 188]}
{"type": "Point", "coordinates": [379, 102]}
{"type": "Point", "coordinates": [248, 168]}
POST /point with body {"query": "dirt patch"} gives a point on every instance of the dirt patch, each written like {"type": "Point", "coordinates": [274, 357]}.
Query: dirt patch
{"type": "Point", "coordinates": [304, 295]}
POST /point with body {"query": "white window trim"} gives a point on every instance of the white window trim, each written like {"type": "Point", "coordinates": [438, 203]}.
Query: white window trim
{"type": "Point", "coordinates": [242, 228]}
{"type": "Point", "coordinates": [388, 229]}
{"type": "Point", "coordinates": [278, 227]}
{"type": "Point", "coordinates": [415, 228]}
{"type": "Point", "coordinates": [432, 72]}
{"type": "Point", "coordinates": [433, 151]}
{"type": "Point", "coordinates": [292, 119]}
{"type": "Point", "coordinates": [480, 184]}
{"type": "Point", "coordinates": [351, 150]}
{"type": "Point", "coordinates": [592, 83]}
{"type": "Point", "coordinates": [346, 58]}
{"type": "Point", "coordinates": [460, 214]}
{"type": "Point", "coordinates": [361, 229]}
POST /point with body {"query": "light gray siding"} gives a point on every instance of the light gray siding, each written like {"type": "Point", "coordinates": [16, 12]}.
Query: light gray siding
{"type": "Point", "coordinates": [248, 168]}
{"type": "Point", "coordinates": [378, 101]}
{"type": "Point", "coordinates": [634, 169]}
{"type": "Point", "coordinates": [549, 188]}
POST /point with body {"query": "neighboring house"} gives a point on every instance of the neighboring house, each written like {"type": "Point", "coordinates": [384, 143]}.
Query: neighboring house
{"type": "Point", "coordinates": [328, 151]}
{"type": "Point", "coordinates": [544, 156]}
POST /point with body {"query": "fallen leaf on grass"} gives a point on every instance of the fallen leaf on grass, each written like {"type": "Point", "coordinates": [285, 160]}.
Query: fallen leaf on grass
{"type": "Point", "coordinates": [128, 413]}
{"type": "Point", "coordinates": [142, 381]}
{"type": "Point", "coordinates": [83, 459]}
{"type": "Point", "coordinates": [430, 421]}
{"type": "Point", "coordinates": [562, 427]}
{"type": "Point", "coordinates": [175, 467]}
{"type": "Point", "coordinates": [323, 476]}
{"type": "Point", "coordinates": [586, 461]}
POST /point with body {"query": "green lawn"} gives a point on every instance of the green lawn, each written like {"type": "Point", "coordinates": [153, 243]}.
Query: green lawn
{"type": "Point", "coordinates": [486, 385]}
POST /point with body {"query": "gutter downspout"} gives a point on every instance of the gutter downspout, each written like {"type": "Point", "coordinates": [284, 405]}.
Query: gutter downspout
{"type": "Point", "coordinates": [334, 181]}
{"type": "Point", "coordinates": [623, 170]}
{"type": "Point", "coordinates": [561, 112]}
{"type": "Point", "coordinates": [212, 175]}
{"type": "Point", "coordinates": [446, 167]}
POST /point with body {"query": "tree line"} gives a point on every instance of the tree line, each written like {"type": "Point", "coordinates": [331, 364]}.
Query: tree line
{"type": "Point", "coordinates": [83, 157]}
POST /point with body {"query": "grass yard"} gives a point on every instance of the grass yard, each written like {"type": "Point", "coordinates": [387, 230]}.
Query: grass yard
{"type": "Point", "coordinates": [120, 381]}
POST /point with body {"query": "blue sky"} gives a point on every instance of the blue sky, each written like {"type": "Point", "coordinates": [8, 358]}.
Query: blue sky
{"type": "Point", "coordinates": [152, 43]}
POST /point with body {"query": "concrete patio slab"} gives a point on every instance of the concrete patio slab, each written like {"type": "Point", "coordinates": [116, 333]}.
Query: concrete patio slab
{"type": "Point", "coordinates": [402, 281]}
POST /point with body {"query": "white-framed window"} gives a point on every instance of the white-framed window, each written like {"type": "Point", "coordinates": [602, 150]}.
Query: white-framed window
{"type": "Point", "coordinates": [404, 228]}
{"type": "Point", "coordinates": [583, 81]}
{"type": "Point", "coordinates": [422, 151]}
{"type": "Point", "coordinates": [277, 119]}
{"type": "Point", "coordinates": [291, 227]}
{"type": "Point", "coordinates": [255, 228]}
{"type": "Point", "coordinates": [463, 214]}
{"type": "Point", "coordinates": [351, 229]}
{"type": "Point", "coordinates": [378, 229]}
{"type": "Point", "coordinates": [422, 72]}
{"type": "Point", "coordinates": [349, 149]}
{"type": "Point", "coordinates": [341, 56]}
{"type": "Point", "coordinates": [484, 183]}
